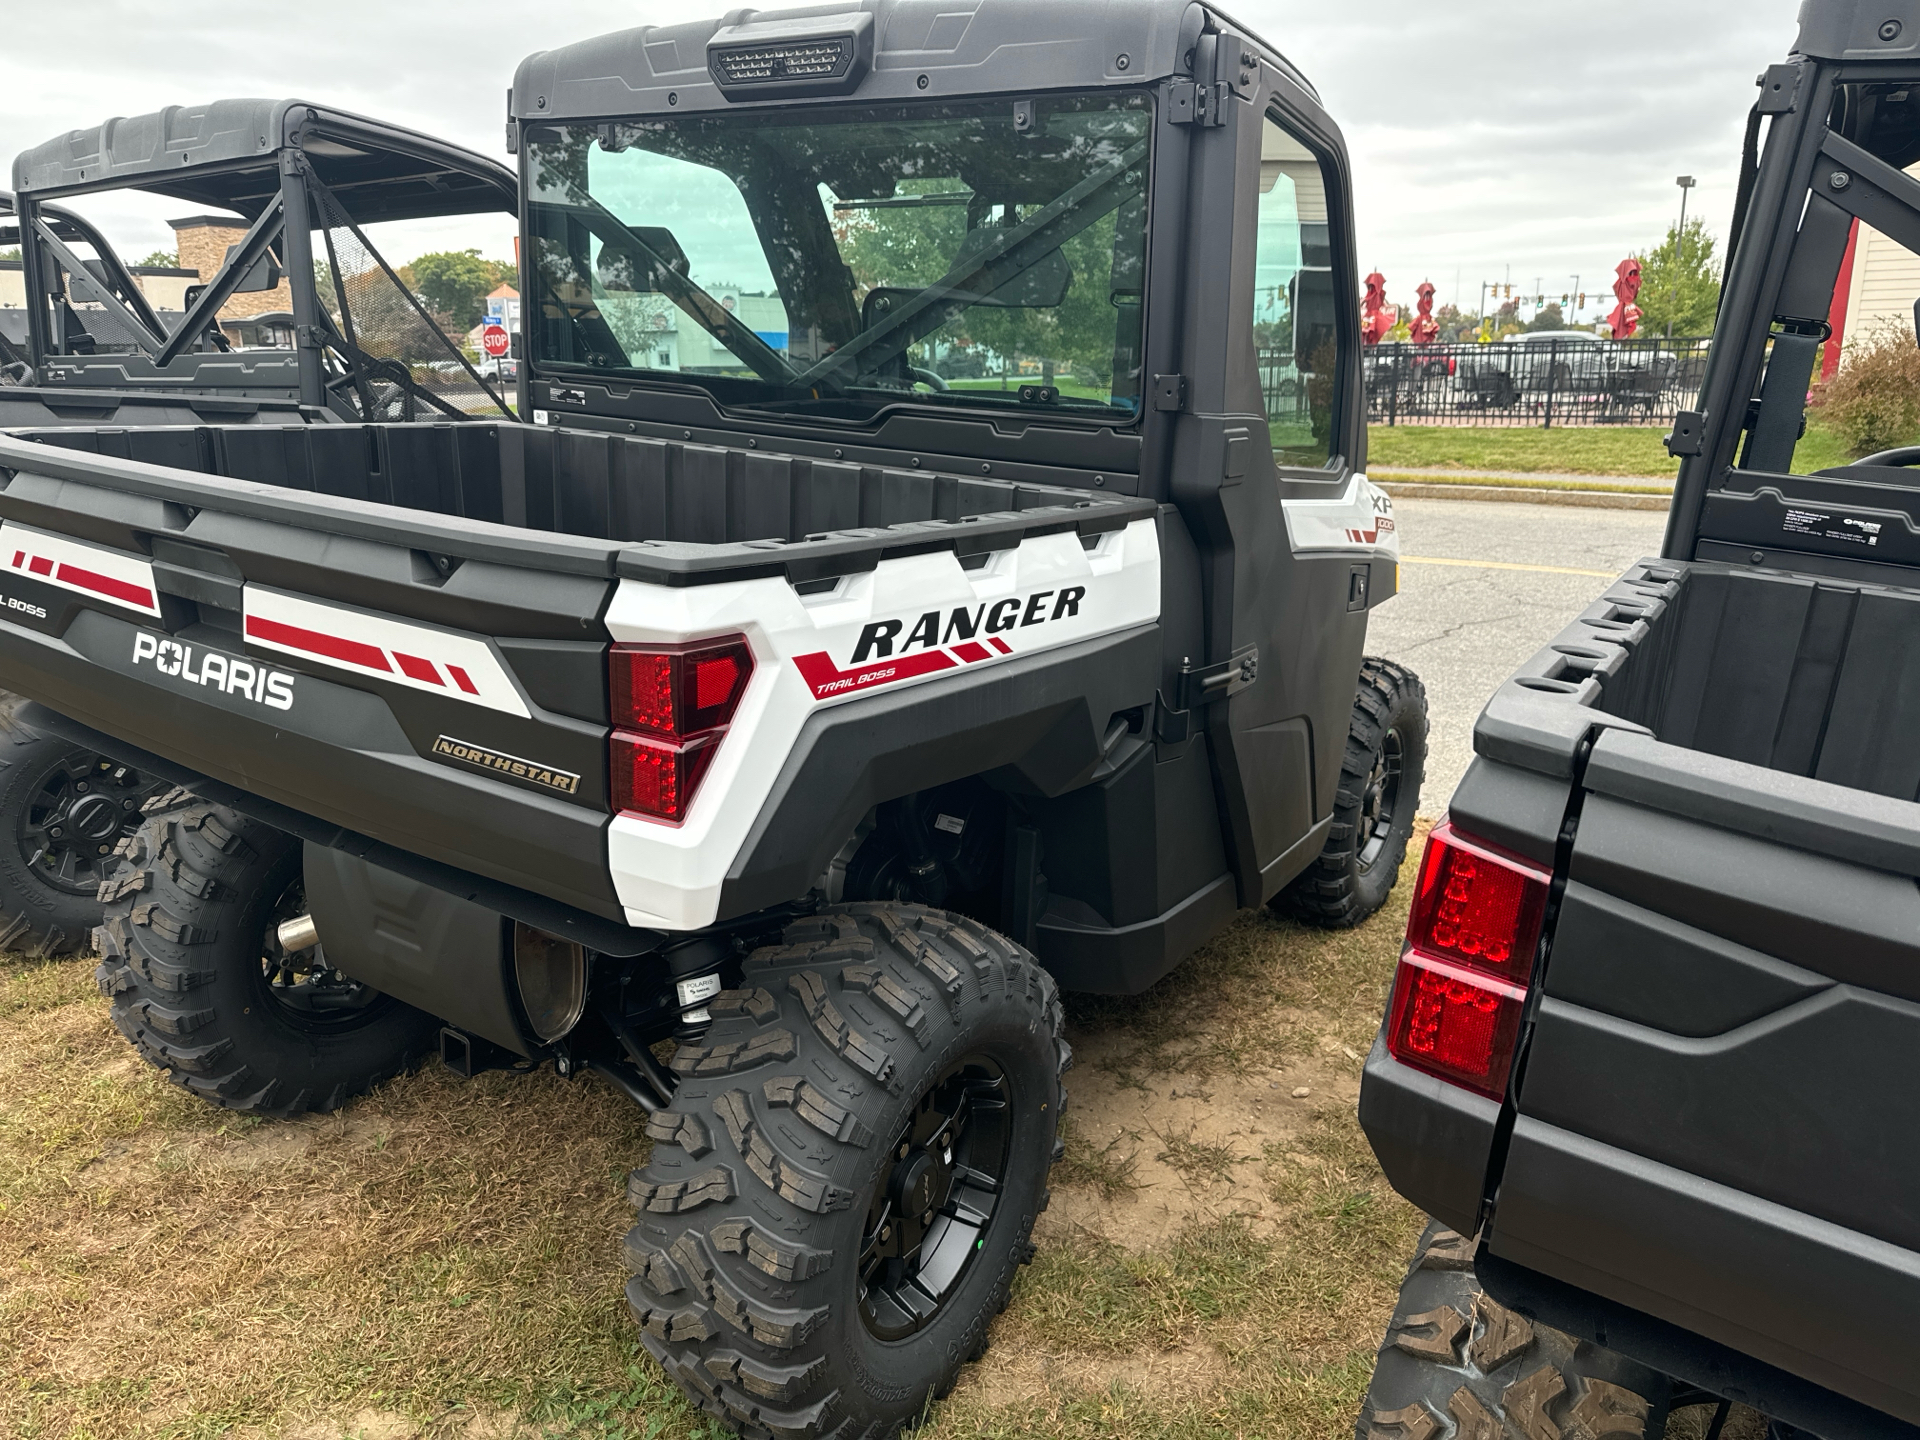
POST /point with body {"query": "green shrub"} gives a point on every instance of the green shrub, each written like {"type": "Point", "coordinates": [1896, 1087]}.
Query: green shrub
{"type": "Point", "coordinates": [1874, 402]}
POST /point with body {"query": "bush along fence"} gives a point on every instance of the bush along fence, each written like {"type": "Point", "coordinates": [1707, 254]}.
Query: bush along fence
{"type": "Point", "coordinates": [1543, 382]}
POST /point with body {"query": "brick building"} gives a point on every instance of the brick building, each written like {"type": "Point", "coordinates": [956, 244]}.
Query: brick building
{"type": "Point", "coordinates": [201, 242]}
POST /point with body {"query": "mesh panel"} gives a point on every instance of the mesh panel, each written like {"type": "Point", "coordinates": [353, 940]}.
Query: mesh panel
{"type": "Point", "coordinates": [111, 333]}
{"type": "Point", "coordinates": [403, 365]}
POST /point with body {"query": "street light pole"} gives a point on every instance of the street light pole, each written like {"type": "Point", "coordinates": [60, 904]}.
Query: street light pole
{"type": "Point", "coordinates": [1686, 183]}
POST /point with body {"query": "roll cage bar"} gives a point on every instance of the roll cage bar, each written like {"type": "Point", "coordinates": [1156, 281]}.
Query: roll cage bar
{"type": "Point", "coordinates": [273, 163]}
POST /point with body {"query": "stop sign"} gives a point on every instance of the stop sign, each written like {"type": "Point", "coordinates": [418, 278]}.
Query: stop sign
{"type": "Point", "coordinates": [493, 340]}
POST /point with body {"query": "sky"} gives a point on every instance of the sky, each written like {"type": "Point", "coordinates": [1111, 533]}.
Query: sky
{"type": "Point", "coordinates": [1521, 141]}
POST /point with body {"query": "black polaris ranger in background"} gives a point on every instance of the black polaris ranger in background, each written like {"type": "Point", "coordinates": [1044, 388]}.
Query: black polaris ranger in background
{"type": "Point", "coordinates": [914, 570]}
{"type": "Point", "coordinates": [1649, 1059]}
{"type": "Point", "coordinates": [93, 349]}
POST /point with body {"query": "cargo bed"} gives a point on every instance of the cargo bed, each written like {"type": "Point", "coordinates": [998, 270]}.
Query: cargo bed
{"type": "Point", "coordinates": [1712, 1121]}
{"type": "Point", "coordinates": [475, 564]}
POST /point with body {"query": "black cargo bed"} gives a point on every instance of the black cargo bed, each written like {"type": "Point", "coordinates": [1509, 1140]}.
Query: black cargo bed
{"type": "Point", "coordinates": [577, 501]}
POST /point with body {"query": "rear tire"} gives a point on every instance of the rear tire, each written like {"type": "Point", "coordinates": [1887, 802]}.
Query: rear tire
{"type": "Point", "coordinates": [785, 1272]}
{"type": "Point", "coordinates": [1458, 1365]}
{"type": "Point", "coordinates": [63, 810]}
{"type": "Point", "coordinates": [201, 988]}
{"type": "Point", "coordinates": [1375, 806]}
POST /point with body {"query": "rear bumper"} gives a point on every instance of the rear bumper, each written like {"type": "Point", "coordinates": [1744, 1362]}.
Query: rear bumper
{"type": "Point", "coordinates": [1433, 1140]}
{"type": "Point", "coordinates": [1809, 1297]}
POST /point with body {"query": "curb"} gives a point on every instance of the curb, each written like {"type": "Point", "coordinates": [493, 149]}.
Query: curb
{"type": "Point", "coordinates": [1593, 499]}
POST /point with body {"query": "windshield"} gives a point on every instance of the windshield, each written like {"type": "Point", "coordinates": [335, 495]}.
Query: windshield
{"type": "Point", "coordinates": [988, 253]}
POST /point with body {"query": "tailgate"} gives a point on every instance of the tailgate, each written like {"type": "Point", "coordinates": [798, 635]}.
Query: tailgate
{"type": "Point", "coordinates": [449, 704]}
{"type": "Point", "coordinates": [1717, 1118]}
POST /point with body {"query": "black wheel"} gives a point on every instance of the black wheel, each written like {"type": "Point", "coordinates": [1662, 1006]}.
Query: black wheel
{"type": "Point", "coordinates": [1374, 808]}
{"type": "Point", "coordinates": [62, 812]}
{"type": "Point", "coordinates": [1458, 1365]}
{"type": "Point", "coordinates": [203, 989]}
{"type": "Point", "coordinates": [848, 1176]}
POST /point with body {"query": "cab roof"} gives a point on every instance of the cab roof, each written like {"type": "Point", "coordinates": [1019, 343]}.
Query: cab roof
{"type": "Point", "coordinates": [900, 50]}
{"type": "Point", "coordinates": [225, 155]}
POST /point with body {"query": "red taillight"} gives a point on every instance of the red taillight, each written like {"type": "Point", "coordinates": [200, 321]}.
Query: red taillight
{"type": "Point", "coordinates": [1453, 1023]}
{"type": "Point", "coordinates": [1477, 905]}
{"type": "Point", "coordinates": [671, 705]}
{"type": "Point", "coordinates": [678, 690]}
{"type": "Point", "coordinates": [1462, 982]}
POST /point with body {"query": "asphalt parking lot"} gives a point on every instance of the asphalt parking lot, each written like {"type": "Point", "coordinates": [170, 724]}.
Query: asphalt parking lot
{"type": "Point", "coordinates": [1482, 586]}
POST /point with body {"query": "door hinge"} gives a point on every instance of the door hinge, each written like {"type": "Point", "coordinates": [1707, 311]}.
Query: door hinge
{"type": "Point", "coordinates": [1192, 104]}
{"type": "Point", "coordinates": [1689, 435]}
{"type": "Point", "coordinates": [1779, 89]}
{"type": "Point", "coordinates": [1169, 392]}
{"type": "Point", "coordinates": [1218, 682]}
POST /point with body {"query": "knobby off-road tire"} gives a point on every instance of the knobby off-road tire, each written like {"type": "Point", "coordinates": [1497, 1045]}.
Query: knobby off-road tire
{"type": "Point", "coordinates": [784, 1208]}
{"type": "Point", "coordinates": [1374, 808]}
{"type": "Point", "coordinates": [62, 811]}
{"type": "Point", "coordinates": [199, 984]}
{"type": "Point", "coordinates": [1458, 1365]}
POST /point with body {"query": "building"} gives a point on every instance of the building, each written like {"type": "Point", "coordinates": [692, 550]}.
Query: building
{"type": "Point", "coordinates": [1879, 286]}
{"type": "Point", "coordinates": [202, 242]}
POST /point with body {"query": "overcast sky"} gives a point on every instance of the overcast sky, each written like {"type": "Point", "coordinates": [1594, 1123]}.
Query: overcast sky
{"type": "Point", "coordinates": [1488, 136]}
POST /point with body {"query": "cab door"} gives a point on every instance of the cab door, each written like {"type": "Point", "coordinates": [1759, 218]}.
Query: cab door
{"type": "Point", "coordinates": [1272, 411]}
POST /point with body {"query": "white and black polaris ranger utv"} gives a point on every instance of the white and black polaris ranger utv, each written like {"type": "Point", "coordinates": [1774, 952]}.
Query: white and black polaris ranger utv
{"type": "Point", "coordinates": [938, 574]}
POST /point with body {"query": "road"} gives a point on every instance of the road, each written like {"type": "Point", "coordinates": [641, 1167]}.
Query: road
{"type": "Point", "coordinates": [1465, 623]}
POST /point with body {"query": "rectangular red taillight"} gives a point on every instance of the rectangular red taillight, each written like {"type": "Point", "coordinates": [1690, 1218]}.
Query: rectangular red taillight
{"type": "Point", "coordinates": [678, 690]}
{"type": "Point", "coordinates": [671, 706]}
{"type": "Point", "coordinates": [1461, 988]}
{"type": "Point", "coordinates": [1453, 1023]}
{"type": "Point", "coordinates": [1477, 905]}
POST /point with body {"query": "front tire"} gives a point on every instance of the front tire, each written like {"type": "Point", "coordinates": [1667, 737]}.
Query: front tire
{"type": "Point", "coordinates": [845, 1184]}
{"type": "Point", "coordinates": [1457, 1365]}
{"type": "Point", "coordinates": [202, 989]}
{"type": "Point", "coordinates": [1375, 806]}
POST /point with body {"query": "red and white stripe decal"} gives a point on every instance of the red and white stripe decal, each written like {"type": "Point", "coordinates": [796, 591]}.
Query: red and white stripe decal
{"type": "Point", "coordinates": [111, 575]}
{"type": "Point", "coordinates": [441, 662]}
{"type": "Point", "coordinates": [828, 680]}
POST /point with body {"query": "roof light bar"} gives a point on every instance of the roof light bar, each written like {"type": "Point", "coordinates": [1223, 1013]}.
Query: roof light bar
{"type": "Point", "coordinates": [775, 58]}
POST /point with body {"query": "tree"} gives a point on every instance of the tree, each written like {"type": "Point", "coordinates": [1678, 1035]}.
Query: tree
{"type": "Point", "coordinates": [13, 254]}
{"type": "Point", "coordinates": [162, 260]}
{"type": "Point", "coordinates": [1551, 317]}
{"type": "Point", "coordinates": [1680, 284]}
{"type": "Point", "coordinates": [457, 282]}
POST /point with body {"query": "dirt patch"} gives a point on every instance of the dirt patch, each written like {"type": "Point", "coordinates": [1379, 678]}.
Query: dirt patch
{"type": "Point", "coordinates": [1193, 1147]}
{"type": "Point", "coordinates": [1019, 1375]}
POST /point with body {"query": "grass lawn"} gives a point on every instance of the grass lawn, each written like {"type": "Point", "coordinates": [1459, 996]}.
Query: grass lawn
{"type": "Point", "coordinates": [441, 1259]}
{"type": "Point", "coordinates": [1570, 450]}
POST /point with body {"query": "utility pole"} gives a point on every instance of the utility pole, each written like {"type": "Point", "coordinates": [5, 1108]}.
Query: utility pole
{"type": "Point", "coordinates": [1686, 183]}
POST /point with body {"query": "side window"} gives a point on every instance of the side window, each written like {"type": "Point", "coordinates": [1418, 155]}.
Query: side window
{"type": "Point", "coordinates": [1295, 333]}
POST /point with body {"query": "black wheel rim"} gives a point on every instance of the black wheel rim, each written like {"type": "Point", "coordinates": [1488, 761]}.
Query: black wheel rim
{"type": "Point", "coordinates": [301, 987]}
{"type": "Point", "coordinates": [80, 808]}
{"type": "Point", "coordinates": [1380, 802]}
{"type": "Point", "coordinates": [928, 1221]}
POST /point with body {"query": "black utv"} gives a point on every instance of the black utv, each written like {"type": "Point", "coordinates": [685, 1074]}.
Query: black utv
{"type": "Point", "coordinates": [1649, 1056]}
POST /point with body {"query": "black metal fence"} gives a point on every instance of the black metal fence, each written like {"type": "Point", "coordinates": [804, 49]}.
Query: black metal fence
{"type": "Point", "coordinates": [1534, 382]}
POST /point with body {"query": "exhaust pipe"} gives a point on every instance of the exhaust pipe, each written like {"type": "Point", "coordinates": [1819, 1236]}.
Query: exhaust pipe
{"type": "Point", "coordinates": [299, 933]}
